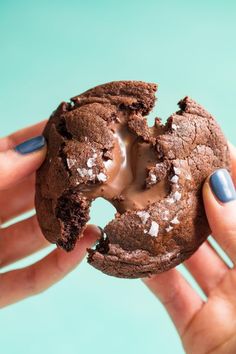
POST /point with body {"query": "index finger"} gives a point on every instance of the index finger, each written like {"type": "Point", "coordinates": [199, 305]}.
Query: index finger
{"type": "Point", "coordinates": [15, 165]}
{"type": "Point", "coordinates": [232, 150]}
{"type": "Point", "coordinates": [19, 136]}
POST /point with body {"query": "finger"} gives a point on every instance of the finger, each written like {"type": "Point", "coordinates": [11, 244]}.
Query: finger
{"type": "Point", "coordinates": [20, 240]}
{"type": "Point", "coordinates": [18, 284]}
{"type": "Point", "coordinates": [20, 198]}
{"type": "Point", "coordinates": [178, 297]}
{"type": "Point", "coordinates": [232, 151]}
{"type": "Point", "coordinates": [220, 203]}
{"type": "Point", "coordinates": [23, 160]}
{"type": "Point", "coordinates": [213, 271]}
{"type": "Point", "coordinates": [19, 136]}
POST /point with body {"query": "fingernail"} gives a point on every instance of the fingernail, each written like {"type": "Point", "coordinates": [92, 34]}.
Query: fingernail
{"type": "Point", "coordinates": [222, 186]}
{"type": "Point", "coordinates": [31, 145]}
{"type": "Point", "coordinates": [94, 228]}
{"type": "Point", "coordinates": [101, 230]}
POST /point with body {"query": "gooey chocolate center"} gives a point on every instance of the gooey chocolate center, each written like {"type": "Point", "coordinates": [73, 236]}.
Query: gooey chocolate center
{"type": "Point", "coordinates": [125, 186]}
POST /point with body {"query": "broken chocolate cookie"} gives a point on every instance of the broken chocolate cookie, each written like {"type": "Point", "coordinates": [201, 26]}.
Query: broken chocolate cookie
{"type": "Point", "coordinates": [100, 145]}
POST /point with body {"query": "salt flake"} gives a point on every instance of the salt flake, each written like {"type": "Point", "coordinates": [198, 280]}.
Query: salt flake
{"type": "Point", "coordinates": [154, 229]}
{"type": "Point", "coordinates": [70, 162]}
{"type": "Point", "coordinates": [169, 228]}
{"type": "Point", "coordinates": [101, 177]}
{"type": "Point", "coordinates": [174, 126]}
{"type": "Point", "coordinates": [92, 161]}
{"type": "Point", "coordinates": [90, 172]}
{"type": "Point", "coordinates": [144, 215]}
{"type": "Point", "coordinates": [165, 214]}
{"type": "Point", "coordinates": [174, 179]}
{"type": "Point", "coordinates": [85, 173]}
{"type": "Point", "coordinates": [170, 200]}
{"type": "Point", "coordinates": [153, 178]}
{"type": "Point", "coordinates": [177, 170]}
{"type": "Point", "coordinates": [177, 196]}
{"type": "Point", "coordinates": [175, 220]}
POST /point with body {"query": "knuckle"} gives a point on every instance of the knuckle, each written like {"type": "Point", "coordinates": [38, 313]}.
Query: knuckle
{"type": "Point", "coordinates": [6, 171]}
{"type": "Point", "coordinates": [31, 281]}
{"type": "Point", "coordinates": [33, 226]}
{"type": "Point", "coordinates": [170, 298]}
{"type": "Point", "coordinates": [59, 265]}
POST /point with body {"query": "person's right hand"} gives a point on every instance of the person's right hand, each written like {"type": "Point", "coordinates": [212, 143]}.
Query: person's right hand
{"type": "Point", "coordinates": [17, 179]}
{"type": "Point", "coordinates": [207, 326]}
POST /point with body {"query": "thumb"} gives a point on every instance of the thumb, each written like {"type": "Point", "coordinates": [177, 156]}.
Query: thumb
{"type": "Point", "coordinates": [21, 161]}
{"type": "Point", "coordinates": [219, 197]}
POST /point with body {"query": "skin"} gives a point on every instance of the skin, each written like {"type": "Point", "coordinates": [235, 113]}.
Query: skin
{"type": "Point", "coordinates": [205, 326]}
{"type": "Point", "coordinates": [19, 240]}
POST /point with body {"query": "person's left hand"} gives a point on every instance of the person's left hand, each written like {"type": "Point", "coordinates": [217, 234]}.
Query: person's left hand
{"type": "Point", "coordinates": [18, 162]}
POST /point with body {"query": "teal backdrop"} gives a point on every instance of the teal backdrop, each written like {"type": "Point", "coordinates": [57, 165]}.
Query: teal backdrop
{"type": "Point", "coordinates": [53, 50]}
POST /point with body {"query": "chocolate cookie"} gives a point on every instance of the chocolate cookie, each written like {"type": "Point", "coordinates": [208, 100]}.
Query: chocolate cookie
{"type": "Point", "coordinates": [100, 145]}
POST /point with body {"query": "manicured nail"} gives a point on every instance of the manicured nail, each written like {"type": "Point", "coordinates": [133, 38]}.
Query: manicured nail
{"type": "Point", "coordinates": [102, 231]}
{"type": "Point", "coordinates": [30, 145]}
{"type": "Point", "coordinates": [222, 186]}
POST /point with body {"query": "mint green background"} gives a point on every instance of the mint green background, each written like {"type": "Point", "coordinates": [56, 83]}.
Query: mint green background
{"type": "Point", "coordinates": [52, 50]}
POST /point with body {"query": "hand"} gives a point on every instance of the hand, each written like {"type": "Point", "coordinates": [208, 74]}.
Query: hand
{"type": "Point", "coordinates": [17, 178]}
{"type": "Point", "coordinates": [207, 326]}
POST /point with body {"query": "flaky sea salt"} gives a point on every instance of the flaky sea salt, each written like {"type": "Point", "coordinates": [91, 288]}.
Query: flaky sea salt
{"type": "Point", "coordinates": [169, 228]}
{"type": "Point", "coordinates": [175, 220]}
{"type": "Point", "coordinates": [177, 196]}
{"type": "Point", "coordinates": [101, 177]}
{"type": "Point", "coordinates": [85, 173]}
{"type": "Point", "coordinates": [170, 200]}
{"type": "Point", "coordinates": [174, 179]}
{"type": "Point", "coordinates": [165, 214]}
{"type": "Point", "coordinates": [177, 170]}
{"type": "Point", "coordinates": [70, 162]}
{"type": "Point", "coordinates": [92, 161]}
{"type": "Point", "coordinates": [90, 172]}
{"type": "Point", "coordinates": [174, 126]}
{"type": "Point", "coordinates": [154, 229]}
{"type": "Point", "coordinates": [144, 216]}
{"type": "Point", "coordinates": [153, 178]}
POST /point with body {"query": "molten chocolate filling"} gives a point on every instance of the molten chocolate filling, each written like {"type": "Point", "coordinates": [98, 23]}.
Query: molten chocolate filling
{"type": "Point", "coordinates": [125, 186]}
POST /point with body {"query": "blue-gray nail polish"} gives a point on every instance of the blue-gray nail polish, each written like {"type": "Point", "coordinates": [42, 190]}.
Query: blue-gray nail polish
{"type": "Point", "coordinates": [222, 186]}
{"type": "Point", "coordinates": [30, 145]}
